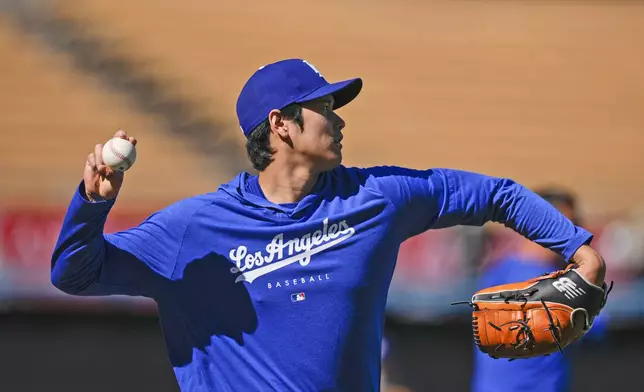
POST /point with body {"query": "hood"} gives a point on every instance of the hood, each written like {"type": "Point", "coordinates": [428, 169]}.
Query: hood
{"type": "Point", "coordinates": [236, 188]}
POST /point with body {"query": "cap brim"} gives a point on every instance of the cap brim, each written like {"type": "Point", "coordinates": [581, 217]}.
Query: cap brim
{"type": "Point", "coordinates": [342, 92]}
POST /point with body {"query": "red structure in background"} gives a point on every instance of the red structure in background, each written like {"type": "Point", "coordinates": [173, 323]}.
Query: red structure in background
{"type": "Point", "coordinates": [433, 262]}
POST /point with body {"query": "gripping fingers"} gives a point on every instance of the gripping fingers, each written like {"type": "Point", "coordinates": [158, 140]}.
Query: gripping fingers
{"type": "Point", "coordinates": [123, 135]}
{"type": "Point", "coordinates": [98, 159]}
{"type": "Point", "coordinates": [91, 161]}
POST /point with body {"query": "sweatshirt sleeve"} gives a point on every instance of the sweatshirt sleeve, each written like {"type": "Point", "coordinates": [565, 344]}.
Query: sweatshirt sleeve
{"type": "Point", "coordinates": [441, 198]}
{"type": "Point", "coordinates": [88, 262]}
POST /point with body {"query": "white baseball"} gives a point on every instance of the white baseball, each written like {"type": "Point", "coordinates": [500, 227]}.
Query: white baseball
{"type": "Point", "coordinates": [119, 154]}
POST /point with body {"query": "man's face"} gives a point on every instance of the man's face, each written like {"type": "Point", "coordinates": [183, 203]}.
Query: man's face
{"type": "Point", "coordinates": [319, 141]}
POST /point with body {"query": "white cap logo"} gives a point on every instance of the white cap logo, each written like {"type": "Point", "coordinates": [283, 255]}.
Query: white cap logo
{"type": "Point", "coordinates": [313, 68]}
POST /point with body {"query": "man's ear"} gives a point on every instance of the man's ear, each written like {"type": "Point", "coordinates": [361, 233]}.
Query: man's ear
{"type": "Point", "coordinates": [278, 125]}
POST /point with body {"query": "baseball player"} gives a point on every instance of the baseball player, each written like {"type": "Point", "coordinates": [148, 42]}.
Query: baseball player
{"type": "Point", "coordinates": [278, 281]}
{"type": "Point", "coordinates": [539, 374]}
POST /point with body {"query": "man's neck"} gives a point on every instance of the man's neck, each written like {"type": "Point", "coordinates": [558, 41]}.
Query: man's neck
{"type": "Point", "coordinates": [282, 184]}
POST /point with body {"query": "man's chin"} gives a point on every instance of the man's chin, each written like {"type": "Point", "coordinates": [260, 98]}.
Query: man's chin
{"type": "Point", "coordinates": [332, 163]}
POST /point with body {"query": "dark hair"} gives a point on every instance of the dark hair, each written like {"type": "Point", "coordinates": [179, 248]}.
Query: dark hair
{"type": "Point", "coordinates": [258, 146]}
{"type": "Point", "coordinates": [559, 195]}
{"type": "Point", "coordinates": [556, 194]}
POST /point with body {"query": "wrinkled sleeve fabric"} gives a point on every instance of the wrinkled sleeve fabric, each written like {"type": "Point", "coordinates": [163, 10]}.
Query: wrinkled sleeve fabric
{"type": "Point", "coordinates": [441, 198]}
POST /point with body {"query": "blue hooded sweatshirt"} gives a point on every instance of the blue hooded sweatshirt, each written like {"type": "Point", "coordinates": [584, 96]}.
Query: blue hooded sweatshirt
{"type": "Point", "coordinates": [256, 296]}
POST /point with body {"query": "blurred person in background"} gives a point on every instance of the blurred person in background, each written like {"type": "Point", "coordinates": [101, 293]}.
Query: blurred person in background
{"type": "Point", "coordinates": [539, 374]}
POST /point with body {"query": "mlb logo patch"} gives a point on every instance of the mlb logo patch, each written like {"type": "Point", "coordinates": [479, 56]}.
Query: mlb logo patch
{"type": "Point", "coordinates": [298, 297]}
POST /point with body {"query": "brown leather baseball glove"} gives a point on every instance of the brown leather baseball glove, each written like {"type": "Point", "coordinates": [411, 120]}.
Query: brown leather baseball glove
{"type": "Point", "coordinates": [535, 317]}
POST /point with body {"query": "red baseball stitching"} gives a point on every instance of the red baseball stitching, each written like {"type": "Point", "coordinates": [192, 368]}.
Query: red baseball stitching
{"type": "Point", "coordinates": [119, 155]}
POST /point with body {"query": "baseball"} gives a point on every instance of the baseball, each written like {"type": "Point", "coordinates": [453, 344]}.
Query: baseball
{"type": "Point", "coordinates": [119, 154]}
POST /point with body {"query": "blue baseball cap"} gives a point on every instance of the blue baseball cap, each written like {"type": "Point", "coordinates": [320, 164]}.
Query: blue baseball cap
{"type": "Point", "coordinates": [277, 85]}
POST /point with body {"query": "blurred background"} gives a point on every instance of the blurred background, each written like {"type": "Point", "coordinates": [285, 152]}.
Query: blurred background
{"type": "Point", "coordinates": [545, 92]}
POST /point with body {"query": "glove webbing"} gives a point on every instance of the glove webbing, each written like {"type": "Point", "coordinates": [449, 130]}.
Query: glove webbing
{"type": "Point", "coordinates": [524, 335]}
